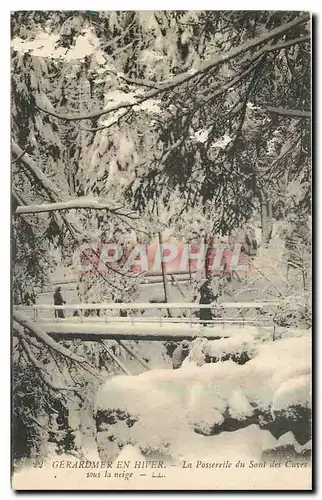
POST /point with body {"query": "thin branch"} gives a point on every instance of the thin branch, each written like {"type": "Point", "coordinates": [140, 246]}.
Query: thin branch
{"type": "Point", "coordinates": [267, 279]}
{"type": "Point", "coordinates": [109, 125]}
{"type": "Point", "coordinates": [185, 77]}
{"type": "Point", "coordinates": [121, 49]}
{"type": "Point", "coordinates": [254, 62]}
{"type": "Point", "coordinates": [33, 419]}
{"type": "Point", "coordinates": [290, 43]}
{"type": "Point", "coordinates": [115, 39]}
{"type": "Point", "coordinates": [19, 197]}
{"type": "Point", "coordinates": [281, 156]}
{"type": "Point", "coordinates": [40, 369]}
{"type": "Point", "coordinates": [220, 88]}
{"type": "Point", "coordinates": [117, 361]}
{"type": "Point", "coordinates": [134, 354]}
{"type": "Point", "coordinates": [141, 83]}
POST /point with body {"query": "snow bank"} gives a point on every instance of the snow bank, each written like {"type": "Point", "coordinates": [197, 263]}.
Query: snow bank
{"type": "Point", "coordinates": [170, 406]}
{"type": "Point", "coordinates": [286, 358]}
{"type": "Point", "coordinates": [296, 391]}
{"type": "Point", "coordinates": [235, 345]}
{"type": "Point", "coordinates": [258, 380]}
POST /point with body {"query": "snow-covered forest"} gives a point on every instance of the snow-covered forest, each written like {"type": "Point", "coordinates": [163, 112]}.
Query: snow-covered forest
{"type": "Point", "coordinates": [144, 128]}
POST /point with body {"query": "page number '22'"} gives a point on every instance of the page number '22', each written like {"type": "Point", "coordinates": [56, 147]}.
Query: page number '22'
{"type": "Point", "coordinates": [39, 464]}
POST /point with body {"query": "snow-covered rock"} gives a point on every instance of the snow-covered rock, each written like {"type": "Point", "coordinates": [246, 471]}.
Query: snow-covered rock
{"type": "Point", "coordinates": [165, 407]}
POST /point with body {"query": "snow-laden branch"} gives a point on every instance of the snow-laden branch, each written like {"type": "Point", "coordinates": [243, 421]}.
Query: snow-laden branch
{"type": "Point", "coordinates": [18, 157]}
{"type": "Point", "coordinates": [290, 43]}
{"type": "Point", "coordinates": [82, 202]}
{"type": "Point", "coordinates": [24, 321]}
{"type": "Point", "coordinates": [110, 124]}
{"type": "Point", "coordinates": [35, 171]}
{"type": "Point", "coordinates": [52, 193]}
{"type": "Point", "coordinates": [293, 113]}
{"type": "Point", "coordinates": [41, 369]}
{"type": "Point", "coordinates": [185, 77]}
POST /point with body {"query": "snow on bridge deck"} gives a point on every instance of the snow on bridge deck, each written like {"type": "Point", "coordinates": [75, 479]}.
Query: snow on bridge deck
{"type": "Point", "coordinates": [88, 329]}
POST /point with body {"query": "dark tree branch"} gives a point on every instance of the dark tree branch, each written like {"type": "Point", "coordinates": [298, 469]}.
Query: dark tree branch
{"type": "Point", "coordinates": [141, 83]}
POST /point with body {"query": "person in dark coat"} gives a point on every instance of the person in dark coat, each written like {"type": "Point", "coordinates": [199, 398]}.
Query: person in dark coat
{"type": "Point", "coordinates": [59, 301]}
{"type": "Point", "coordinates": [180, 354]}
{"type": "Point", "coordinates": [30, 299]}
{"type": "Point", "coordinates": [206, 297]}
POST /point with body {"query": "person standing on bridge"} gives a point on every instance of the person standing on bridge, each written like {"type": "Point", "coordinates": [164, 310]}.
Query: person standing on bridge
{"type": "Point", "coordinates": [207, 296]}
{"type": "Point", "coordinates": [59, 301]}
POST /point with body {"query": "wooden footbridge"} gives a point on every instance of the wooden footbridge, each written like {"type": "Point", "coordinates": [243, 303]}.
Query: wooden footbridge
{"type": "Point", "coordinates": [104, 321]}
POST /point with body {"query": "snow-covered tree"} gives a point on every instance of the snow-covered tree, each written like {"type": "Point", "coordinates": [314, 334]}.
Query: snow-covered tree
{"type": "Point", "coordinates": [124, 123]}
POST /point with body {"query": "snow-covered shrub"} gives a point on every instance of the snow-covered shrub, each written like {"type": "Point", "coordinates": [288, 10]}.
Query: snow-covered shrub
{"type": "Point", "coordinates": [239, 348]}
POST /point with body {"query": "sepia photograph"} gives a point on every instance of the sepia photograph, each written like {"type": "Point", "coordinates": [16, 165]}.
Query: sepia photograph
{"type": "Point", "coordinates": [161, 246]}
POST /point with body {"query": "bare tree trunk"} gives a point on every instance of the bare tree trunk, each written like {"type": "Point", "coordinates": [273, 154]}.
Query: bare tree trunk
{"type": "Point", "coordinates": [189, 263]}
{"type": "Point", "coordinates": [164, 275]}
{"type": "Point", "coordinates": [207, 255]}
{"type": "Point", "coordinates": [267, 221]}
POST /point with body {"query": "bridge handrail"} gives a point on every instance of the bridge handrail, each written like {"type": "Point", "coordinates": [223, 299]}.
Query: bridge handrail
{"type": "Point", "coordinates": [149, 305]}
{"type": "Point", "coordinates": [130, 319]}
